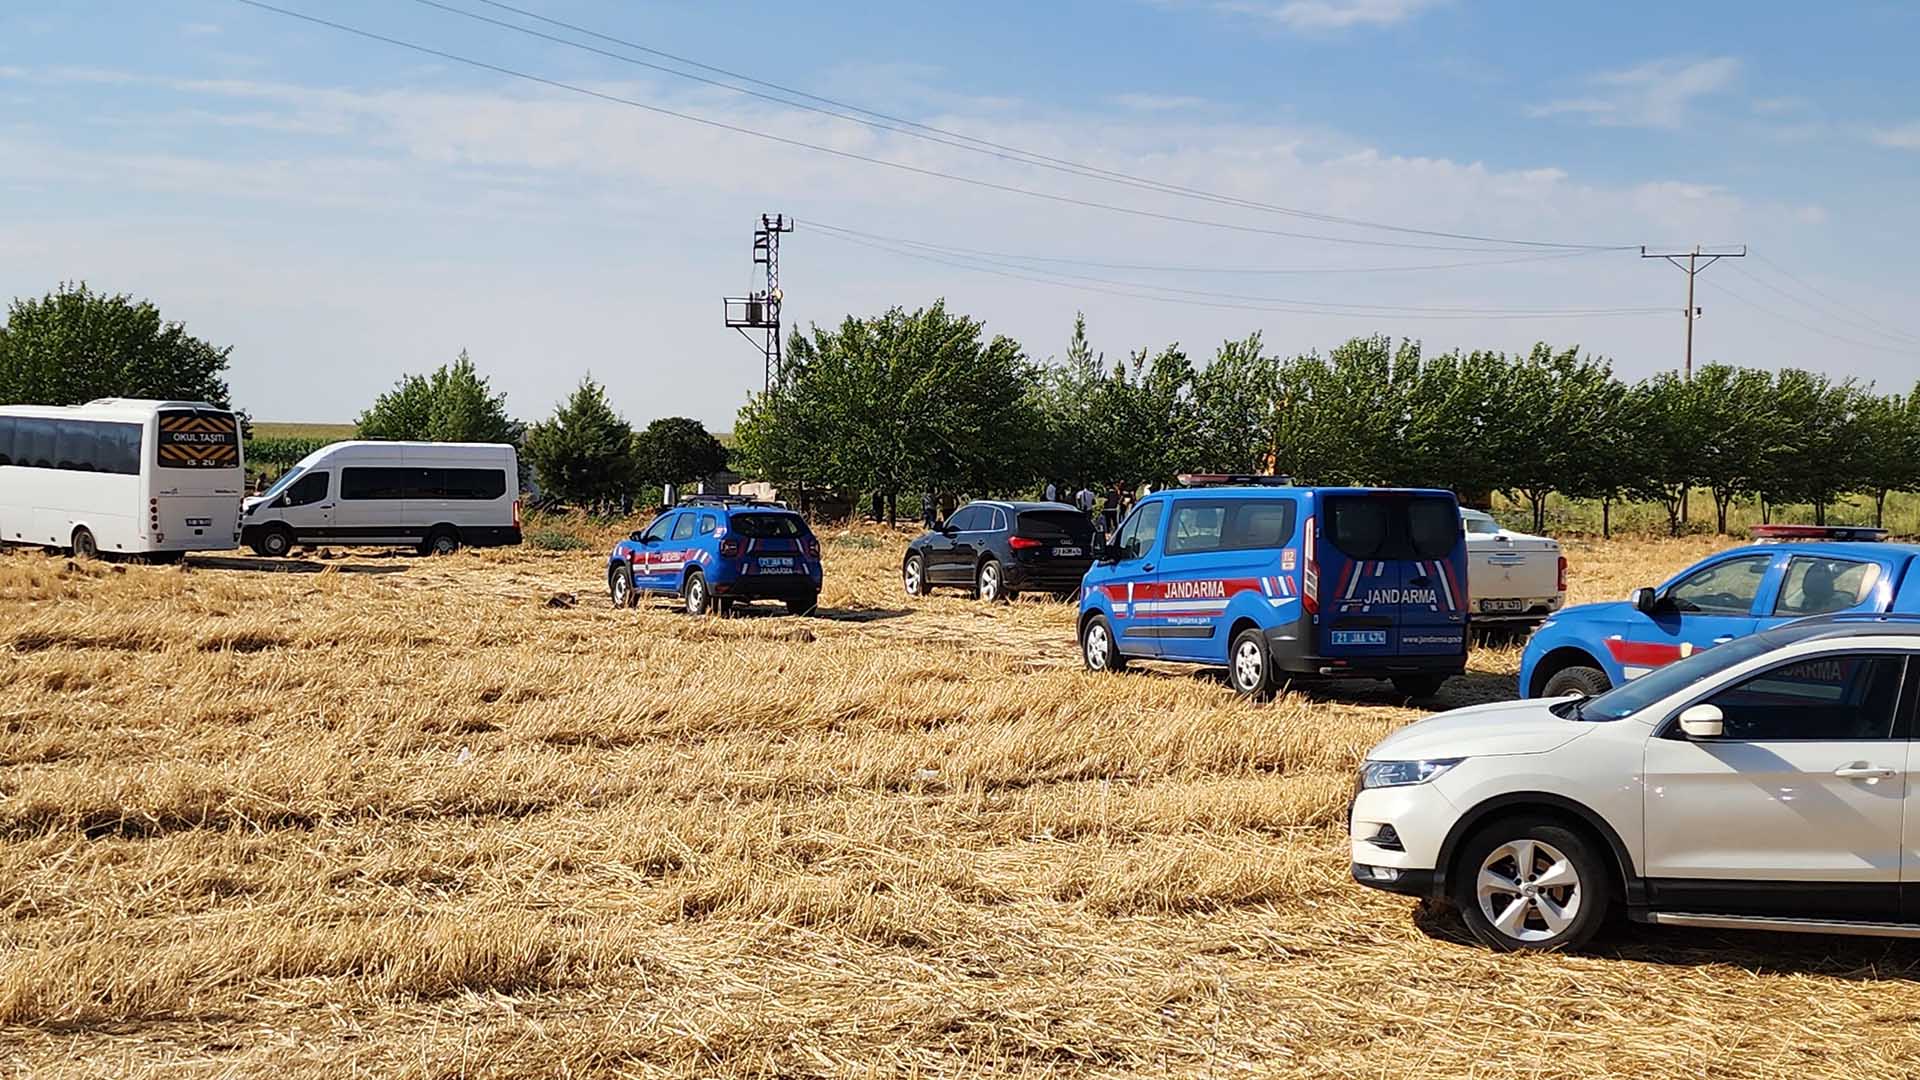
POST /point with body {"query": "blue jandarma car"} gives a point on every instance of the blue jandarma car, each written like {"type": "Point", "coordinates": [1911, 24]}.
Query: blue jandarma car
{"type": "Point", "coordinates": [1269, 580]}
{"type": "Point", "coordinates": [715, 551]}
{"type": "Point", "coordinates": [1794, 572]}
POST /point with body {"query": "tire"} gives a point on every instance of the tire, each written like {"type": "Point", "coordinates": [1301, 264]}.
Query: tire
{"type": "Point", "coordinates": [620, 587]}
{"type": "Point", "coordinates": [84, 545]}
{"type": "Point", "coordinates": [694, 595]}
{"type": "Point", "coordinates": [1588, 681]}
{"type": "Point", "coordinates": [1497, 886]}
{"type": "Point", "coordinates": [275, 543]}
{"type": "Point", "coordinates": [441, 541]}
{"type": "Point", "coordinates": [989, 582]}
{"type": "Point", "coordinates": [1098, 649]}
{"type": "Point", "coordinates": [913, 575]}
{"type": "Point", "coordinates": [1419, 687]}
{"type": "Point", "coordinates": [803, 605]}
{"type": "Point", "coordinates": [1250, 665]}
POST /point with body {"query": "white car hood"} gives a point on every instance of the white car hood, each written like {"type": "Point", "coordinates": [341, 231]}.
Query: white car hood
{"type": "Point", "coordinates": [1509, 727]}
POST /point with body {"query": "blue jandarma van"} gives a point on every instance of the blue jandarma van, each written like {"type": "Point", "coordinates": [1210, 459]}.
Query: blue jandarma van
{"type": "Point", "coordinates": [1270, 581]}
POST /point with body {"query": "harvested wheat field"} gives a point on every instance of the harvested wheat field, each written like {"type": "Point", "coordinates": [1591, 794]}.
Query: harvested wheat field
{"type": "Point", "coordinates": [419, 818]}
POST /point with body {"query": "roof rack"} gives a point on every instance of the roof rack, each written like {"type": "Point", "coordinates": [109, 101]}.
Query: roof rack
{"type": "Point", "coordinates": [1233, 480]}
{"type": "Point", "coordinates": [1865, 533]}
{"type": "Point", "coordinates": [728, 500]}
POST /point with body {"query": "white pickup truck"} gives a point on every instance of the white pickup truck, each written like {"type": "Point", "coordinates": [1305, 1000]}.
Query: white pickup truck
{"type": "Point", "coordinates": [1514, 579]}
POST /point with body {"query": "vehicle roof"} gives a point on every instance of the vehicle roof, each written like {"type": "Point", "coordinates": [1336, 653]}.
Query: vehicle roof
{"type": "Point", "coordinates": [1018, 504]}
{"type": "Point", "coordinates": [107, 409]}
{"type": "Point", "coordinates": [1270, 490]}
{"type": "Point", "coordinates": [1846, 625]}
{"type": "Point", "coordinates": [1838, 549]}
{"type": "Point", "coordinates": [404, 444]}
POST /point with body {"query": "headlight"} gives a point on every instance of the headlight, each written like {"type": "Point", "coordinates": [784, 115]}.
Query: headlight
{"type": "Point", "coordinates": [1401, 773]}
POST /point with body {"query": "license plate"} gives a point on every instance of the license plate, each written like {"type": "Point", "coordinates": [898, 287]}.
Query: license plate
{"type": "Point", "coordinates": [205, 523]}
{"type": "Point", "coordinates": [1066, 552]}
{"type": "Point", "coordinates": [1359, 637]}
{"type": "Point", "coordinates": [1503, 605]}
{"type": "Point", "coordinates": [777, 566]}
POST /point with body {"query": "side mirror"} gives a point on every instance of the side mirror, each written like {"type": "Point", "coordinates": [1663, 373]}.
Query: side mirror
{"type": "Point", "coordinates": [1702, 721]}
{"type": "Point", "coordinates": [1644, 600]}
{"type": "Point", "coordinates": [946, 528]}
{"type": "Point", "coordinates": [634, 536]}
{"type": "Point", "coordinates": [280, 500]}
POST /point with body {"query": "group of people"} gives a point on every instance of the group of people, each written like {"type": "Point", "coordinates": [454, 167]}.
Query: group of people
{"type": "Point", "coordinates": [1112, 505]}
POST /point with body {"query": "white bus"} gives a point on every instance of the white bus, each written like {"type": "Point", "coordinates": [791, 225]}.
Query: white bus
{"type": "Point", "coordinates": [121, 475]}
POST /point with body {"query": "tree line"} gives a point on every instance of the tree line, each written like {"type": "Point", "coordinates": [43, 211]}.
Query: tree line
{"type": "Point", "coordinates": [922, 402]}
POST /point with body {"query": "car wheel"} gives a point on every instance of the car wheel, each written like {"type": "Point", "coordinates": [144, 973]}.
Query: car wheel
{"type": "Point", "coordinates": [803, 605]}
{"type": "Point", "coordinates": [1419, 687]}
{"type": "Point", "coordinates": [440, 542]}
{"type": "Point", "coordinates": [1580, 679]}
{"type": "Point", "coordinates": [989, 583]}
{"type": "Point", "coordinates": [1250, 666]}
{"type": "Point", "coordinates": [620, 587]}
{"type": "Point", "coordinates": [913, 576]}
{"type": "Point", "coordinates": [275, 543]}
{"type": "Point", "coordinates": [1534, 885]}
{"type": "Point", "coordinates": [694, 594]}
{"type": "Point", "coordinates": [84, 545]}
{"type": "Point", "coordinates": [1098, 648]}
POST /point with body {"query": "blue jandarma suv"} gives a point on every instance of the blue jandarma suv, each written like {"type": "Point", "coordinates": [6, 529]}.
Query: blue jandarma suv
{"type": "Point", "coordinates": [1269, 580]}
{"type": "Point", "coordinates": [716, 551]}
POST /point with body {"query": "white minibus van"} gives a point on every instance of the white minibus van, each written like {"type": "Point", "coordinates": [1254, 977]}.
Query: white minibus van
{"type": "Point", "coordinates": [128, 476]}
{"type": "Point", "coordinates": [435, 496]}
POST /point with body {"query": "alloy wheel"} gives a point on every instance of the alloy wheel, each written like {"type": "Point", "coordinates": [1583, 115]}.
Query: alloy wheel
{"type": "Point", "coordinates": [1098, 645]}
{"type": "Point", "coordinates": [1529, 890]}
{"type": "Point", "coordinates": [1249, 666]}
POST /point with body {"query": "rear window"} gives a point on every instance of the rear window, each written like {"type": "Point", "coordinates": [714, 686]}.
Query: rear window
{"type": "Point", "coordinates": [1392, 526]}
{"type": "Point", "coordinates": [1055, 525]}
{"type": "Point", "coordinates": [768, 526]}
{"type": "Point", "coordinates": [1229, 525]}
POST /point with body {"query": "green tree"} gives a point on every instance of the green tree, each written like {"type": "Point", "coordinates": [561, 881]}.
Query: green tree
{"type": "Point", "coordinates": [905, 401]}
{"type": "Point", "coordinates": [1233, 406]}
{"type": "Point", "coordinates": [1669, 438]}
{"type": "Point", "coordinates": [453, 404]}
{"type": "Point", "coordinates": [677, 450]}
{"type": "Point", "coordinates": [584, 453]}
{"type": "Point", "coordinates": [1739, 425]}
{"type": "Point", "coordinates": [74, 345]}
{"type": "Point", "coordinates": [1817, 456]}
{"type": "Point", "coordinates": [1888, 447]}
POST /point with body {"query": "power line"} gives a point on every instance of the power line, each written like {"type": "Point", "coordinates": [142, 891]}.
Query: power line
{"type": "Point", "coordinates": [1692, 270]}
{"type": "Point", "coordinates": [1376, 312]}
{"type": "Point", "coordinates": [1066, 200]}
{"type": "Point", "coordinates": [1771, 313]}
{"type": "Point", "coordinates": [1234, 270]}
{"type": "Point", "coordinates": [946, 137]}
{"type": "Point", "coordinates": [1870, 325]}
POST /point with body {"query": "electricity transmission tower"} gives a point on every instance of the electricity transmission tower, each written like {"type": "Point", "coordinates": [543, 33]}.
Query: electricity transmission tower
{"type": "Point", "coordinates": [1692, 267]}
{"type": "Point", "coordinates": [760, 309]}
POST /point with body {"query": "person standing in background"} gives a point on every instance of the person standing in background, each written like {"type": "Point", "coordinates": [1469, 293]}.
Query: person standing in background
{"type": "Point", "coordinates": [1051, 492]}
{"type": "Point", "coordinates": [1084, 500]}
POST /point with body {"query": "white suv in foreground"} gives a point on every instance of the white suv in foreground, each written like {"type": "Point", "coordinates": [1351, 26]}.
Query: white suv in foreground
{"type": "Point", "coordinates": [1762, 784]}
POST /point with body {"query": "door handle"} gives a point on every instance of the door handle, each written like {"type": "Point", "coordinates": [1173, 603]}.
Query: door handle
{"type": "Point", "coordinates": [1863, 772]}
{"type": "Point", "coordinates": [1146, 566]}
{"type": "Point", "coordinates": [1723, 639]}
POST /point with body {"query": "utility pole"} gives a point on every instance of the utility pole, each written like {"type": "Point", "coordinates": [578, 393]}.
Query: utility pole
{"type": "Point", "coordinates": [760, 309]}
{"type": "Point", "coordinates": [1692, 268]}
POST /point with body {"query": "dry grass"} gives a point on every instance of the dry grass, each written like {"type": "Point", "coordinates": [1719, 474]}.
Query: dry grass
{"type": "Point", "coordinates": [423, 824]}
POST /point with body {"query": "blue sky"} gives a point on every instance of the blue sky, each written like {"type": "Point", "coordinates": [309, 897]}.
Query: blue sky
{"type": "Point", "coordinates": [343, 211]}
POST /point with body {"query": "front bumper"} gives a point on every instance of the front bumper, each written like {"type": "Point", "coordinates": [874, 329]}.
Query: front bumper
{"type": "Point", "coordinates": [1421, 883]}
{"type": "Point", "coordinates": [1419, 817]}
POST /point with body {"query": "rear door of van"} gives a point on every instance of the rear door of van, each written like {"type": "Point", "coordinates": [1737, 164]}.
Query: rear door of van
{"type": "Point", "coordinates": [1392, 576]}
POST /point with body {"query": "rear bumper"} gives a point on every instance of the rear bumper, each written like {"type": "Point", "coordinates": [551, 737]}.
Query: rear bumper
{"type": "Point", "coordinates": [1065, 575]}
{"type": "Point", "coordinates": [767, 587]}
{"type": "Point", "coordinates": [1291, 647]}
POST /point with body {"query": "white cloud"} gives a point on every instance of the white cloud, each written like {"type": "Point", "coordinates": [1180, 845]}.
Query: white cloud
{"type": "Point", "coordinates": [1658, 94]}
{"type": "Point", "coordinates": [1322, 15]}
{"type": "Point", "coordinates": [1903, 137]}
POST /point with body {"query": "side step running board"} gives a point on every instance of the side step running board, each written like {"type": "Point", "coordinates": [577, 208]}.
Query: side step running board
{"type": "Point", "coordinates": [1792, 926]}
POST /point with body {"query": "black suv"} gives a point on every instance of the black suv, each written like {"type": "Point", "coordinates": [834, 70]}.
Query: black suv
{"type": "Point", "coordinates": [997, 549]}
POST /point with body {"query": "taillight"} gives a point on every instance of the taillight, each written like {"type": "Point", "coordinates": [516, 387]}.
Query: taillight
{"type": "Point", "coordinates": [1309, 573]}
{"type": "Point", "coordinates": [1022, 543]}
{"type": "Point", "coordinates": [811, 546]}
{"type": "Point", "coordinates": [1563, 573]}
{"type": "Point", "coordinates": [516, 513]}
{"type": "Point", "coordinates": [730, 548]}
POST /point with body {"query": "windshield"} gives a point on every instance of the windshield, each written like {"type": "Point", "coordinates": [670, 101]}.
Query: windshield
{"type": "Point", "coordinates": [1479, 524]}
{"type": "Point", "coordinates": [1631, 697]}
{"type": "Point", "coordinates": [286, 478]}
